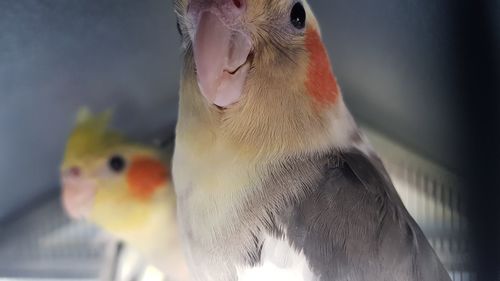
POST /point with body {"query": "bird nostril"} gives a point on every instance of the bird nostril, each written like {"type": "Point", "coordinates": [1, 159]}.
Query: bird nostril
{"type": "Point", "coordinates": [237, 3]}
{"type": "Point", "coordinates": [74, 172]}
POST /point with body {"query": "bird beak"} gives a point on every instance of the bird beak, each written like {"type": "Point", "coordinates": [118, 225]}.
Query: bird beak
{"type": "Point", "coordinates": [77, 194]}
{"type": "Point", "coordinates": [221, 49]}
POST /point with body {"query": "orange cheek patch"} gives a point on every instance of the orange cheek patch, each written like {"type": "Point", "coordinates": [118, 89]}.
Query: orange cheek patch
{"type": "Point", "coordinates": [320, 82]}
{"type": "Point", "coordinates": [145, 176]}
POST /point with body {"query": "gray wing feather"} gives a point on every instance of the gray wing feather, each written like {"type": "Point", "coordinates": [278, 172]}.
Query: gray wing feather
{"type": "Point", "coordinates": [354, 227]}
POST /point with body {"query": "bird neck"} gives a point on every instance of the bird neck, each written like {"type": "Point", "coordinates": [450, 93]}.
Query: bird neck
{"type": "Point", "coordinates": [264, 134]}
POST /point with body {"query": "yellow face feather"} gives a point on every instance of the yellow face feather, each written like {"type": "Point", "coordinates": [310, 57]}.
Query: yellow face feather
{"type": "Point", "coordinates": [91, 136]}
{"type": "Point", "coordinates": [111, 180]}
{"type": "Point", "coordinates": [290, 103]}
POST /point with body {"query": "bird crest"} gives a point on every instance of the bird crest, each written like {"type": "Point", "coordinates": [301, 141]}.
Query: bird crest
{"type": "Point", "coordinates": [91, 134]}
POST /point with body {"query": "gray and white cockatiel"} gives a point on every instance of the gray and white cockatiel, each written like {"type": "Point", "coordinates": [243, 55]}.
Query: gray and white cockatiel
{"type": "Point", "coordinates": [273, 179]}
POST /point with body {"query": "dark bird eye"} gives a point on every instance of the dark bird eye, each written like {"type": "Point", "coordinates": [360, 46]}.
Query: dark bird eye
{"type": "Point", "coordinates": [298, 16]}
{"type": "Point", "coordinates": [116, 163]}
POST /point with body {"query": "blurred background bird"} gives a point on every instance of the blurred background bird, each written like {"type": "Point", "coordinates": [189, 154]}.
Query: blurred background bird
{"type": "Point", "coordinates": [125, 188]}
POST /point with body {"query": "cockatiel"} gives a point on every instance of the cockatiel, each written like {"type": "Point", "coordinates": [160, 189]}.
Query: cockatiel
{"type": "Point", "coordinates": [274, 181]}
{"type": "Point", "coordinates": [125, 188]}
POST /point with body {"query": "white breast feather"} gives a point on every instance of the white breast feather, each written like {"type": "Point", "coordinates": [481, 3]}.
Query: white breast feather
{"type": "Point", "coordinates": [279, 261]}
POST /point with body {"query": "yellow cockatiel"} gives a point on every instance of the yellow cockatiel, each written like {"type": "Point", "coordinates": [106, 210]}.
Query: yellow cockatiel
{"type": "Point", "coordinates": [124, 188]}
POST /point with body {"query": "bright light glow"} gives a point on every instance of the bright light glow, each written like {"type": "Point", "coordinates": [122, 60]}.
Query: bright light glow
{"type": "Point", "coordinates": [152, 274]}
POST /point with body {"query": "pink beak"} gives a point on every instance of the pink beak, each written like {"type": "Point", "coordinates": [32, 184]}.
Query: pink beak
{"type": "Point", "coordinates": [77, 194]}
{"type": "Point", "coordinates": [221, 49]}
